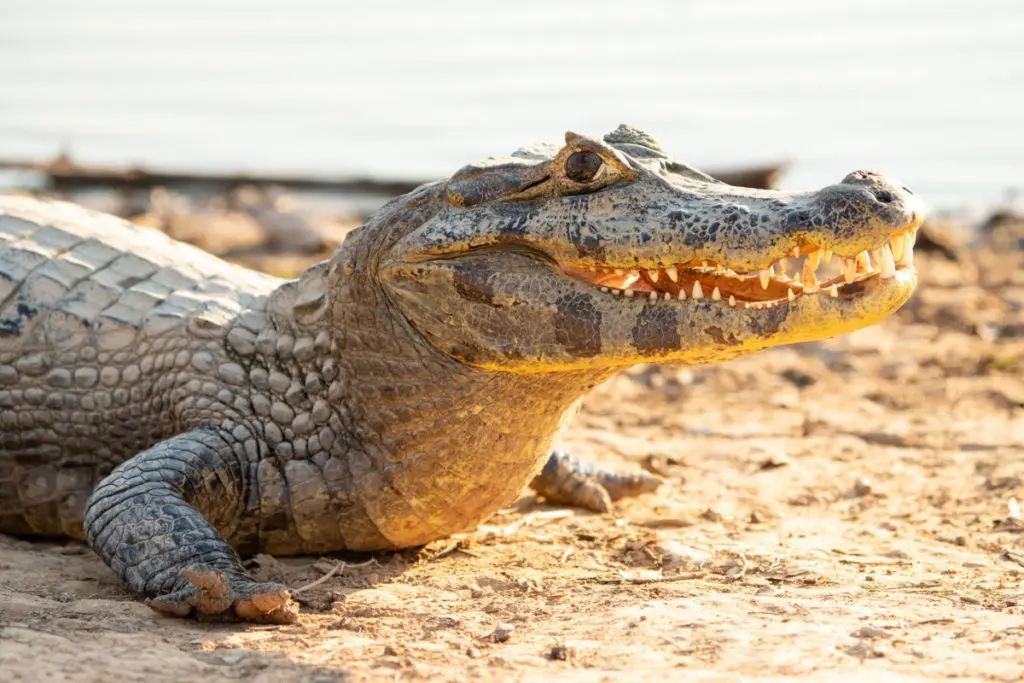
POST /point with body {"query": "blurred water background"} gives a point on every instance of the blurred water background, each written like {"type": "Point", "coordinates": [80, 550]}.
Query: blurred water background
{"type": "Point", "coordinates": [929, 91]}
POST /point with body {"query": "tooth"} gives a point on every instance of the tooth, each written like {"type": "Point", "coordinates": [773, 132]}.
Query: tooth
{"type": "Point", "coordinates": [849, 269]}
{"type": "Point", "coordinates": [765, 277]}
{"type": "Point", "coordinates": [896, 243]}
{"type": "Point", "coordinates": [716, 295]}
{"type": "Point", "coordinates": [814, 258]}
{"type": "Point", "coordinates": [628, 292]}
{"type": "Point", "coordinates": [876, 258]}
{"type": "Point", "coordinates": [654, 275]}
{"type": "Point", "coordinates": [605, 289]}
{"type": "Point", "coordinates": [616, 292]}
{"type": "Point", "coordinates": [833, 291]}
{"type": "Point", "coordinates": [668, 295]}
{"type": "Point", "coordinates": [682, 294]}
{"type": "Point", "coordinates": [796, 252]}
{"type": "Point", "coordinates": [888, 264]}
{"type": "Point", "coordinates": [783, 265]}
{"type": "Point", "coordinates": [697, 293]}
{"type": "Point", "coordinates": [796, 278]}
{"type": "Point", "coordinates": [719, 269]}
{"type": "Point", "coordinates": [673, 273]}
{"type": "Point", "coordinates": [619, 271]}
{"type": "Point", "coordinates": [732, 300]}
{"type": "Point", "coordinates": [703, 264]}
{"type": "Point", "coordinates": [653, 296]}
{"type": "Point", "coordinates": [790, 295]}
{"type": "Point", "coordinates": [863, 262]}
{"type": "Point", "coordinates": [826, 257]}
{"type": "Point", "coordinates": [810, 282]}
{"type": "Point", "coordinates": [907, 258]}
{"type": "Point", "coordinates": [911, 237]}
{"type": "Point", "coordinates": [746, 304]}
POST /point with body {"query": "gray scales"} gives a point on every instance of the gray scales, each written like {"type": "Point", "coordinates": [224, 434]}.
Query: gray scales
{"type": "Point", "coordinates": [178, 412]}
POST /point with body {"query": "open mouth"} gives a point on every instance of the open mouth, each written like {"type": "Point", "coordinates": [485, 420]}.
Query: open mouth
{"type": "Point", "coordinates": [786, 280]}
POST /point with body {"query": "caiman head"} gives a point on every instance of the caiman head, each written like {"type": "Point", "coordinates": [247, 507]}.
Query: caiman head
{"type": "Point", "coordinates": [607, 253]}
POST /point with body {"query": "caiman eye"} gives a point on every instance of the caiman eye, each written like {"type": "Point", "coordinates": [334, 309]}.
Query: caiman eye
{"type": "Point", "coordinates": [581, 167]}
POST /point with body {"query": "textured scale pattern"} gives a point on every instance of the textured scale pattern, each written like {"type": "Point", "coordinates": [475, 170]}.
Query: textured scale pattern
{"type": "Point", "coordinates": [178, 412]}
{"type": "Point", "coordinates": [116, 337]}
{"type": "Point", "coordinates": [101, 324]}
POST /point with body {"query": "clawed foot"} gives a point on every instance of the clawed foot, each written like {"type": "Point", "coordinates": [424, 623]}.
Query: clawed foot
{"type": "Point", "coordinates": [567, 481]}
{"type": "Point", "coordinates": [211, 592]}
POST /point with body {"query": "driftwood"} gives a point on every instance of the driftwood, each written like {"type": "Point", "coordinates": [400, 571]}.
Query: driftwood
{"type": "Point", "coordinates": [63, 174]}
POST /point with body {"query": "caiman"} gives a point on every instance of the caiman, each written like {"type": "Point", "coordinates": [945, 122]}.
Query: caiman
{"type": "Point", "coordinates": [178, 412]}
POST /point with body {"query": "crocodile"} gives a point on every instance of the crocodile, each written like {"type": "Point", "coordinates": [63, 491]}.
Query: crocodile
{"type": "Point", "coordinates": [179, 413]}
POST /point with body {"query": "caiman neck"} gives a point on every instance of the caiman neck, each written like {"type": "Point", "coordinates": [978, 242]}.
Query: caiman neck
{"type": "Point", "coordinates": [435, 446]}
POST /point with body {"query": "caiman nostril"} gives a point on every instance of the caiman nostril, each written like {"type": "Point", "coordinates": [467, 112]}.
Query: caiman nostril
{"type": "Point", "coordinates": [884, 196]}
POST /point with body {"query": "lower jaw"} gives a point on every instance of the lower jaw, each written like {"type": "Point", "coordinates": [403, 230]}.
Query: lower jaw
{"type": "Point", "coordinates": [711, 331]}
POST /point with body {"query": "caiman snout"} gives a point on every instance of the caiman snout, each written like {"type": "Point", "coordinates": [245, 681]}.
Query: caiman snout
{"type": "Point", "coordinates": [871, 206]}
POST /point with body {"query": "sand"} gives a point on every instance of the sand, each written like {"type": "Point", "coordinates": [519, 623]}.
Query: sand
{"type": "Point", "coordinates": [833, 511]}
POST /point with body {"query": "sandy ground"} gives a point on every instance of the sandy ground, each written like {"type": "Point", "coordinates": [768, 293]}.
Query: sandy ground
{"type": "Point", "coordinates": [834, 511]}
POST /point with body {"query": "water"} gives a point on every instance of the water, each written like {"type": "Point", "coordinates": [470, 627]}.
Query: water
{"type": "Point", "coordinates": [929, 91]}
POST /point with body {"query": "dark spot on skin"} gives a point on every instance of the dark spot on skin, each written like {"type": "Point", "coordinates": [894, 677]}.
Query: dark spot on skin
{"type": "Point", "coordinates": [590, 246]}
{"type": "Point", "coordinates": [656, 330]}
{"type": "Point", "coordinates": [718, 335]}
{"type": "Point", "coordinates": [676, 216]}
{"type": "Point", "coordinates": [693, 238]}
{"type": "Point", "coordinates": [578, 325]}
{"type": "Point", "coordinates": [10, 327]}
{"type": "Point", "coordinates": [463, 353]}
{"type": "Point", "coordinates": [129, 282]}
{"type": "Point", "coordinates": [767, 322]}
{"type": "Point", "coordinates": [472, 286]}
{"type": "Point", "coordinates": [797, 219]}
{"type": "Point", "coordinates": [13, 326]}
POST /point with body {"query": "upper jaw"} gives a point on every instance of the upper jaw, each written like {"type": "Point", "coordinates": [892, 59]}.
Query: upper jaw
{"type": "Point", "coordinates": [678, 220]}
{"type": "Point", "coordinates": [761, 248]}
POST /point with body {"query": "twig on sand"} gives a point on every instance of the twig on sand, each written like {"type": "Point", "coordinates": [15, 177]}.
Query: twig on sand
{"type": "Point", "coordinates": [336, 569]}
{"type": "Point", "coordinates": [534, 519]}
{"type": "Point", "coordinates": [1014, 556]}
{"type": "Point", "coordinates": [640, 580]}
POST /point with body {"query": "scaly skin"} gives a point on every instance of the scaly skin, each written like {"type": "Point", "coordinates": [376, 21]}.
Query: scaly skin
{"type": "Point", "coordinates": [407, 388]}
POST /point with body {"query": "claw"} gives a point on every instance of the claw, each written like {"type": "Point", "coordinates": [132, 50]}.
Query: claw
{"type": "Point", "coordinates": [210, 592]}
{"type": "Point", "coordinates": [567, 481]}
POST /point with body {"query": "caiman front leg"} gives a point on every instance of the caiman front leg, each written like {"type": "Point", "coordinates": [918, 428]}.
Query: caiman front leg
{"type": "Point", "coordinates": [155, 522]}
{"type": "Point", "coordinates": [568, 481]}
